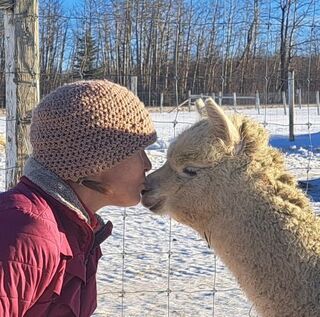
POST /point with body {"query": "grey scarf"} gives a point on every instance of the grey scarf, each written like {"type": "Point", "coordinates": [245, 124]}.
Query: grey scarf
{"type": "Point", "coordinates": [54, 186]}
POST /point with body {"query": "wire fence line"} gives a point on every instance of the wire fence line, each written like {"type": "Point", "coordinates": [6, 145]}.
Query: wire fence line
{"type": "Point", "coordinates": [266, 120]}
{"type": "Point", "coordinates": [273, 116]}
{"type": "Point", "coordinates": [179, 120]}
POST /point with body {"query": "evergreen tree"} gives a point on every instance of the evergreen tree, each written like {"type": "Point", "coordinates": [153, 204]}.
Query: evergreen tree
{"type": "Point", "coordinates": [84, 63]}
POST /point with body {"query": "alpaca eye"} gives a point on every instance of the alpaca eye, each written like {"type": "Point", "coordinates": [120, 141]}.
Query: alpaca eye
{"type": "Point", "coordinates": [190, 171]}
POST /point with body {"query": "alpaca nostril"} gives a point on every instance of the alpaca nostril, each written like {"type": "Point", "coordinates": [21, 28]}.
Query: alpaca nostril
{"type": "Point", "coordinates": [145, 191]}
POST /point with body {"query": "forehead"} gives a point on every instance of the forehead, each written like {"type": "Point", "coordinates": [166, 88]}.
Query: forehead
{"type": "Point", "coordinates": [133, 158]}
{"type": "Point", "coordinates": [199, 132]}
{"type": "Point", "coordinates": [192, 144]}
{"type": "Point", "coordinates": [128, 162]}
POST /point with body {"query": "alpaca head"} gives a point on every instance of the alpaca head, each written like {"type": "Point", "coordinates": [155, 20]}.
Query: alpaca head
{"type": "Point", "coordinates": [202, 163]}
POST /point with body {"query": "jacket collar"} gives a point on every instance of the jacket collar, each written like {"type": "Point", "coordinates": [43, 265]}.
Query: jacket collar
{"type": "Point", "coordinates": [55, 187]}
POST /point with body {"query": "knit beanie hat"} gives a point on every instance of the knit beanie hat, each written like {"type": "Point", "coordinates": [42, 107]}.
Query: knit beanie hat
{"type": "Point", "coordinates": [83, 128]}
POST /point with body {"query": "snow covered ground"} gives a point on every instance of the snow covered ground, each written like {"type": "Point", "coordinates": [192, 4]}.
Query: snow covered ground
{"type": "Point", "coordinates": [153, 266]}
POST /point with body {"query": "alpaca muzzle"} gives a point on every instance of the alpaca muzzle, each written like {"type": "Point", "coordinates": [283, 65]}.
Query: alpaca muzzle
{"type": "Point", "coordinates": [150, 201]}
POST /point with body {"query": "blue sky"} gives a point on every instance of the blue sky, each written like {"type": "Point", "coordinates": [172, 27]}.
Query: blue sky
{"type": "Point", "coordinates": [68, 4]}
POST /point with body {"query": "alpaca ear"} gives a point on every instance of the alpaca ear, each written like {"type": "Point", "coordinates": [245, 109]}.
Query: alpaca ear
{"type": "Point", "coordinates": [223, 127]}
{"type": "Point", "coordinates": [201, 107]}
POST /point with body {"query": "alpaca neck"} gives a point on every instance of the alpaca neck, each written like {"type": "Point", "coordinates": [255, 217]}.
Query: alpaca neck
{"type": "Point", "coordinates": [263, 247]}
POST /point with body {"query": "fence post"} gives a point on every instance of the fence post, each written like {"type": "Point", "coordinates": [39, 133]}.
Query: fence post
{"type": "Point", "coordinates": [235, 101]}
{"type": "Point", "coordinates": [318, 102]}
{"type": "Point", "coordinates": [22, 82]}
{"type": "Point", "coordinates": [299, 97]}
{"type": "Point", "coordinates": [213, 96]}
{"type": "Point", "coordinates": [258, 101]}
{"type": "Point", "coordinates": [189, 100]}
{"type": "Point", "coordinates": [220, 98]}
{"type": "Point", "coordinates": [284, 101]}
{"type": "Point", "coordinates": [161, 102]}
{"type": "Point", "coordinates": [134, 85]}
{"type": "Point", "coordinates": [291, 104]}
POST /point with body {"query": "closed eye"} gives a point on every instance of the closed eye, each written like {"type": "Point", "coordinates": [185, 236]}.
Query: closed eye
{"type": "Point", "coordinates": [190, 171]}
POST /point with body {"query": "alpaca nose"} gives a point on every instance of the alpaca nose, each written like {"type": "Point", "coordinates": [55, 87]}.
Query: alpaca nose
{"type": "Point", "coordinates": [147, 186]}
{"type": "Point", "coordinates": [144, 191]}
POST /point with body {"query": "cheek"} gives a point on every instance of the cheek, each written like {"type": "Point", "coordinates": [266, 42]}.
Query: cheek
{"type": "Point", "coordinates": [181, 215]}
{"type": "Point", "coordinates": [129, 178]}
{"type": "Point", "coordinates": [185, 196]}
{"type": "Point", "coordinates": [126, 196]}
{"type": "Point", "coordinates": [128, 187]}
{"type": "Point", "coordinates": [171, 186]}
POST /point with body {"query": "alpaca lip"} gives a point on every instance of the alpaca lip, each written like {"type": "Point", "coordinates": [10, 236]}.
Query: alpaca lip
{"type": "Point", "coordinates": [158, 205]}
{"type": "Point", "coordinates": [154, 207]}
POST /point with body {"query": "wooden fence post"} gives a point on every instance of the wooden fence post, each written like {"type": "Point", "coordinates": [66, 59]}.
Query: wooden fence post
{"type": "Point", "coordinates": [161, 102]}
{"type": "Point", "coordinates": [284, 101]}
{"type": "Point", "coordinates": [299, 97]}
{"type": "Point", "coordinates": [318, 102]}
{"type": "Point", "coordinates": [258, 101]}
{"type": "Point", "coordinates": [134, 85]}
{"type": "Point", "coordinates": [22, 82]}
{"type": "Point", "coordinates": [291, 104]}
{"type": "Point", "coordinates": [220, 98]}
{"type": "Point", "coordinates": [235, 101]}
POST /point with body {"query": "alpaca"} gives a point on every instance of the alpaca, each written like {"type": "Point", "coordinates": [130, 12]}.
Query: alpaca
{"type": "Point", "coordinates": [222, 179]}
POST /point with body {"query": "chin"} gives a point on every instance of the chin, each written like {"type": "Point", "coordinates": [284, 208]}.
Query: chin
{"type": "Point", "coordinates": [135, 200]}
{"type": "Point", "coordinates": [131, 203]}
{"type": "Point", "coordinates": [154, 206]}
{"type": "Point", "coordinates": [128, 202]}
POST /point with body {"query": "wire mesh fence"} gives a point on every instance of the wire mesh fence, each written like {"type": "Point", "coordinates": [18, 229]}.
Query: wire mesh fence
{"type": "Point", "coordinates": [155, 267]}
{"type": "Point", "coordinates": [152, 266]}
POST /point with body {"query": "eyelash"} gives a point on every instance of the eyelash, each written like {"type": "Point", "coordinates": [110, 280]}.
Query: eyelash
{"type": "Point", "coordinates": [190, 171]}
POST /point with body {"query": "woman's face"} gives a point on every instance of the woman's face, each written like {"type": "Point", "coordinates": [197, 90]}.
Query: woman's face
{"type": "Point", "coordinates": [125, 181]}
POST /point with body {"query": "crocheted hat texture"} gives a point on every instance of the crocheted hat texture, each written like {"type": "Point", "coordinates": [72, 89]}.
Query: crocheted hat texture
{"type": "Point", "coordinates": [83, 128]}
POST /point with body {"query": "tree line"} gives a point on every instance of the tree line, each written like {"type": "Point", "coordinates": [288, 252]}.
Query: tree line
{"type": "Point", "coordinates": [175, 46]}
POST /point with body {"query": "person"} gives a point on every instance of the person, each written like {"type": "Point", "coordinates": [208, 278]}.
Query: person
{"type": "Point", "coordinates": [88, 140]}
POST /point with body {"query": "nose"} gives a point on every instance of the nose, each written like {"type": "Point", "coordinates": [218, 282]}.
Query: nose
{"type": "Point", "coordinates": [146, 162]}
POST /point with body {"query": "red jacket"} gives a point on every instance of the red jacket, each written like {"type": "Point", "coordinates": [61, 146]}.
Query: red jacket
{"type": "Point", "coordinates": [48, 256]}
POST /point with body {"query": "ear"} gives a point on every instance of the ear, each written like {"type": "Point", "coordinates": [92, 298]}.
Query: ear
{"type": "Point", "coordinates": [223, 127]}
{"type": "Point", "coordinates": [201, 107]}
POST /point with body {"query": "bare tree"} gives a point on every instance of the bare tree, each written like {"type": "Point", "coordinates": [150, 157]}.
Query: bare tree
{"type": "Point", "coordinates": [293, 13]}
{"type": "Point", "coordinates": [176, 46]}
{"type": "Point", "coordinates": [53, 33]}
